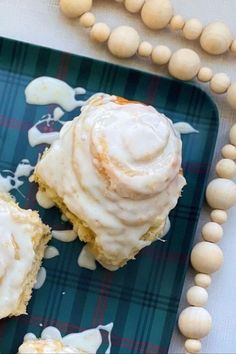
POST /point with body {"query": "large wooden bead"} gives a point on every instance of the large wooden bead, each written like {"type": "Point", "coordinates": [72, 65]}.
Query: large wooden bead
{"type": "Point", "coordinates": [134, 6]}
{"type": "Point", "coordinates": [145, 49]}
{"type": "Point", "coordinates": [161, 55]}
{"type": "Point", "coordinates": [226, 168]}
{"type": "Point", "coordinates": [206, 257]}
{"type": "Point", "coordinates": [194, 322]}
{"type": "Point", "coordinates": [212, 232]}
{"type": "Point", "coordinates": [216, 38]}
{"type": "Point", "coordinates": [100, 32]}
{"type": "Point", "coordinates": [156, 14]}
{"type": "Point", "coordinates": [197, 296]}
{"type": "Point", "coordinates": [123, 42]}
{"type": "Point", "coordinates": [203, 280]}
{"type": "Point", "coordinates": [219, 216]}
{"type": "Point", "coordinates": [75, 8]}
{"type": "Point", "coordinates": [192, 29]}
{"type": "Point", "coordinates": [220, 83]}
{"type": "Point", "coordinates": [177, 22]}
{"type": "Point", "coordinates": [231, 95]}
{"type": "Point", "coordinates": [233, 47]}
{"type": "Point", "coordinates": [205, 74]}
{"type": "Point", "coordinates": [184, 64]}
{"type": "Point", "coordinates": [87, 20]}
{"type": "Point", "coordinates": [232, 135]}
{"type": "Point", "coordinates": [229, 151]}
{"type": "Point", "coordinates": [221, 194]}
{"type": "Point", "coordinates": [193, 346]}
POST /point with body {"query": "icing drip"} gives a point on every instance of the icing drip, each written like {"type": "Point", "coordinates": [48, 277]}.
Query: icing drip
{"type": "Point", "coordinates": [184, 128]}
{"type": "Point", "coordinates": [43, 200]}
{"type": "Point", "coordinates": [47, 90]}
{"type": "Point", "coordinates": [41, 277]}
{"type": "Point", "coordinates": [51, 252]}
{"type": "Point", "coordinates": [10, 180]}
{"type": "Point", "coordinates": [86, 259]}
{"type": "Point", "coordinates": [64, 235]}
{"type": "Point", "coordinates": [87, 342]}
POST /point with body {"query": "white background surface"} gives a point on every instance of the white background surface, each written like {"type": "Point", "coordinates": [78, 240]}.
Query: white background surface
{"type": "Point", "coordinates": [40, 22]}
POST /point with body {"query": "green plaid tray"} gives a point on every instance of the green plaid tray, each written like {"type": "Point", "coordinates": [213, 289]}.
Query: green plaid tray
{"type": "Point", "coordinates": [142, 298]}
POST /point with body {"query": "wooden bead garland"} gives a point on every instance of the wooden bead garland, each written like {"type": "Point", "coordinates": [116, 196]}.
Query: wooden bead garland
{"type": "Point", "coordinates": [206, 256]}
{"type": "Point", "coordinates": [185, 63]}
{"type": "Point", "coordinates": [123, 42]}
{"type": "Point", "coordinates": [197, 296]}
{"type": "Point", "coordinates": [156, 14]}
{"type": "Point", "coordinates": [212, 232]}
{"type": "Point", "coordinates": [194, 322]}
{"type": "Point", "coordinates": [219, 216]}
{"type": "Point", "coordinates": [221, 193]}
{"type": "Point", "coordinates": [193, 346]}
{"type": "Point", "coordinates": [202, 280]}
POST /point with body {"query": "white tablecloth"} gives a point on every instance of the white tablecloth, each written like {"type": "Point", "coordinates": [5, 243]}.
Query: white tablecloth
{"type": "Point", "coordinates": [40, 22]}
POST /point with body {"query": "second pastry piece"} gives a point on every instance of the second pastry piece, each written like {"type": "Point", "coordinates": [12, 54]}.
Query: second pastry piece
{"type": "Point", "coordinates": [115, 172]}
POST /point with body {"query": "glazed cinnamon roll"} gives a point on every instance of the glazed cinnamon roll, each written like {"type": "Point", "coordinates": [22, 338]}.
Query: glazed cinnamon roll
{"type": "Point", "coordinates": [115, 172]}
{"type": "Point", "coordinates": [22, 243]}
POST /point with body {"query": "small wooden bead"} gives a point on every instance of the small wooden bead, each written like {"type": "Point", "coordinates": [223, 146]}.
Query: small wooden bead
{"type": "Point", "coordinates": [177, 22]}
{"type": "Point", "coordinates": [184, 64]}
{"type": "Point", "coordinates": [232, 135]}
{"type": "Point", "coordinates": [219, 216]}
{"type": "Point", "coordinates": [220, 83]}
{"type": "Point", "coordinates": [192, 29]}
{"type": "Point", "coordinates": [233, 47]}
{"type": "Point", "coordinates": [134, 6]}
{"type": "Point", "coordinates": [197, 296]}
{"type": "Point", "coordinates": [226, 168]}
{"type": "Point", "coordinates": [221, 193]}
{"type": "Point", "coordinates": [87, 20]}
{"type": "Point", "coordinates": [193, 346]}
{"type": "Point", "coordinates": [100, 32]}
{"type": "Point", "coordinates": [145, 49]}
{"type": "Point", "coordinates": [75, 8]}
{"type": "Point", "coordinates": [203, 280]}
{"type": "Point", "coordinates": [161, 55]}
{"type": "Point", "coordinates": [194, 322]}
{"type": "Point", "coordinates": [231, 95]}
{"type": "Point", "coordinates": [156, 14]}
{"type": "Point", "coordinates": [205, 74]}
{"type": "Point", "coordinates": [123, 42]}
{"type": "Point", "coordinates": [216, 38]}
{"type": "Point", "coordinates": [229, 151]}
{"type": "Point", "coordinates": [212, 232]}
{"type": "Point", "coordinates": [206, 257]}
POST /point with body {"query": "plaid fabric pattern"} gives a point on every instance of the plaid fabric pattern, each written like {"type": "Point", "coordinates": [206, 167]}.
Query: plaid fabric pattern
{"type": "Point", "coordinates": [142, 298]}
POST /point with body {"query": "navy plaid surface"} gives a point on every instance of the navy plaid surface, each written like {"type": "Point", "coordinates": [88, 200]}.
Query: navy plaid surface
{"type": "Point", "coordinates": [141, 298]}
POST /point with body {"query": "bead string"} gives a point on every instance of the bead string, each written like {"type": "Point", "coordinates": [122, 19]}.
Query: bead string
{"type": "Point", "coordinates": [183, 64]}
{"type": "Point", "coordinates": [206, 256]}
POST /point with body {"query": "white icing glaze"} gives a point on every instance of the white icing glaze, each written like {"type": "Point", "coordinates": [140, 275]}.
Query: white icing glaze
{"type": "Point", "coordinates": [51, 252]}
{"type": "Point", "coordinates": [16, 255]}
{"type": "Point", "coordinates": [86, 259]}
{"type": "Point", "coordinates": [47, 90]}
{"type": "Point", "coordinates": [64, 235]}
{"type": "Point", "coordinates": [41, 277]}
{"type": "Point", "coordinates": [36, 137]}
{"type": "Point", "coordinates": [12, 179]}
{"type": "Point", "coordinates": [51, 341]}
{"type": "Point", "coordinates": [117, 168]}
{"type": "Point", "coordinates": [43, 200]}
{"type": "Point", "coordinates": [184, 128]}
{"type": "Point", "coordinates": [166, 227]}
